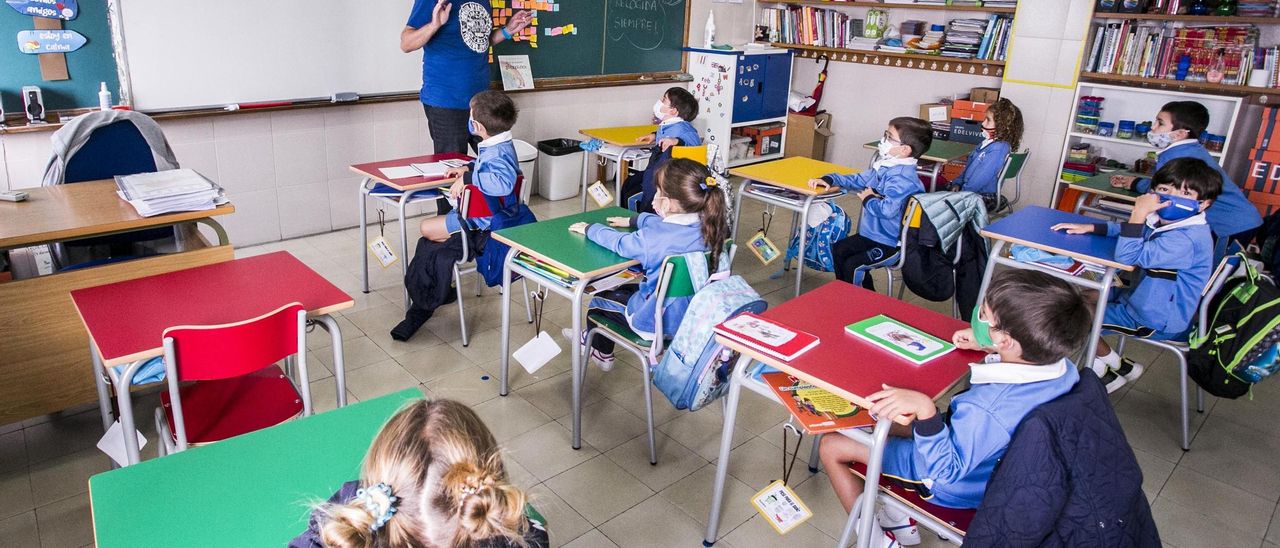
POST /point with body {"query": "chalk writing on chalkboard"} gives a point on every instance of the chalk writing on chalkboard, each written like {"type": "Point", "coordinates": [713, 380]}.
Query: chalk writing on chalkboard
{"type": "Point", "coordinates": [641, 23]}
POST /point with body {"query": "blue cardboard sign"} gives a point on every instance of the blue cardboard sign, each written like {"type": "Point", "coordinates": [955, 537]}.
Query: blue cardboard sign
{"type": "Point", "coordinates": [49, 41]}
{"type": "Point", "coordinates": [49, 9]}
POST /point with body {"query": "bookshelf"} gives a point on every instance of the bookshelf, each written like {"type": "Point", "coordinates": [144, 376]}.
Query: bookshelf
{"type": "Point", "coordinates": [882, 5]}
{"type": "Point", "coordinates": [1262, 96]}
{"type": "Point", "coordinates": [933, 63]}
{"type": "Point", "coordinates": [1198, 19]}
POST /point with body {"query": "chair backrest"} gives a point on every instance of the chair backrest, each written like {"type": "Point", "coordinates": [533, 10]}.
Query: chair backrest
{"type": "Point", "coordinates": [114, 149]}
{"type": "Point", "coordinates": [1226, 267]}
{"type": "Point", "coordinates": [697, 154]}
{"type": "Point", "coordinates": [211, 352]}
{"type": "Point", "coordinates": [474, 206]}
{"type": "Point", "coordinates": [1014, 162]}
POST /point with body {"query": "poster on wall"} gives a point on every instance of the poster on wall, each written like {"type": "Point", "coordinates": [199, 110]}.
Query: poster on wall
{"type": "Point", "coordinates": [49, 9]}
{"type": "Point", "coordinates": [516, 72]}
{"type": "Point", "coordinates": [49, 41]}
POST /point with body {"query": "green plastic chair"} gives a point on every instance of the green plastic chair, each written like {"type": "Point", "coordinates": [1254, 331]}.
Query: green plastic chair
{"type": "Point", "coordinates": [1013, 165]}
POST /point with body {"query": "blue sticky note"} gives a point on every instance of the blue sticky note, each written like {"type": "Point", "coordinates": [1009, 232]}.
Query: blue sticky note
{"type": "Point", "coordinates": [49, 9]}
{"type": "Point", "coordinates": [49, 41]}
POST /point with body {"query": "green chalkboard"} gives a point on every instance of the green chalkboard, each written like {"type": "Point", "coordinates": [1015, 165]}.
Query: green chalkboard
{"type": "Point", "coordinates": [613, 37]}
{"type": "Point", "coordinates": [87, 66]}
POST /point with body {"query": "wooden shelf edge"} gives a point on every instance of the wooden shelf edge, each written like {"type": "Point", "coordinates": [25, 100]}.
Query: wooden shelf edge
{"type": "Point", "coordinates": [831, 3]}
{"type": "Point", "coordinates": [933, 63]}
{"type": "Point", "coordinates": [1205, 19]}
{"type": "Point", "coordinates": [1137, 81]}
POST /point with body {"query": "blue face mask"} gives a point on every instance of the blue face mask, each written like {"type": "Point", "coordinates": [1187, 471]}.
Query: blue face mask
{"type": "Point", "coordinates": [471, 126]}
{"type": "Point", "coordinates": [1179, 208]}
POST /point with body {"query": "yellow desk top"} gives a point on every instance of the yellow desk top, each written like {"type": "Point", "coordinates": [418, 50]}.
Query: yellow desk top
{"type": "Point", "coordinates": [623, 136]}
{"type": "Point", "coordinates": [792, 173]}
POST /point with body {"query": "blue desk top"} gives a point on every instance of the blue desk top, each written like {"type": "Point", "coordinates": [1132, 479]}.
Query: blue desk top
{"type": "Point", "coordinates": [1029, 226]}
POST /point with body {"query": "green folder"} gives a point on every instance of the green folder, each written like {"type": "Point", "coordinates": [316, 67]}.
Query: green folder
{"type": "Point", "coordinates": [900, 339]}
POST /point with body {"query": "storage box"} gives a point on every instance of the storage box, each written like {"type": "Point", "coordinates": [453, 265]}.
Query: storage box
{"type": "Point", "coordinates": [968, 110]}
{"type": "Point", "coordinates": [766, 138]}
{"type": "Point", "coordinates": [941, 133]}
{"type": "Point", "coordinates": [935, 112]}
{"type": "Point", "coordinates": [966, 131]}
{"type": "Point", "coordinates": [807, 135]}
{"type": "Point", "coordinates": [1262, 182]}
{"type": "Point", "coordinates": [1268, 130]}
{"type": "Point", "coordinates": [984, 95]}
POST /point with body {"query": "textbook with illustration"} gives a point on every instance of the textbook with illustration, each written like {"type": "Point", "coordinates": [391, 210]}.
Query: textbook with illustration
{"type": "Point", "coordinates": [773, 339]}
{"type": "Point", "coordinates": [546, 270]}
{"type": "Point", "coordinates": [817, 410]}
{"type": "Point", "coordinates": [900, 339]}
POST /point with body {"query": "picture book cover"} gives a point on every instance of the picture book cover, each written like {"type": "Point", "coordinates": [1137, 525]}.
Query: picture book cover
{"type": "Point", "coordinates": [817, 410]}
{"type": "Point", "coordinates": [900, 339]}
{"type": "Point", "coordinates": [771, 338]}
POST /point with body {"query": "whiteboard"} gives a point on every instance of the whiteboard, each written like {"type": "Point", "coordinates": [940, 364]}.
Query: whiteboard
{"type": "Point", "coordinates": [218, 52]}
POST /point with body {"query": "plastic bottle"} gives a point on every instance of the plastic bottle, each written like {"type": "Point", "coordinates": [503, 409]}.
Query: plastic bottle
{"type": "Point", "coordinates": [710, 31]}
{"type": "Point", "coordinates": [1217, 68]}
{"type": "Point", "coordinates": [104, 97]}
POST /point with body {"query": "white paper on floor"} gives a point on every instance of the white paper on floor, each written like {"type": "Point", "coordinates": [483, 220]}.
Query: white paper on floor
{"type": "Point", "coordinates": [537, 352]}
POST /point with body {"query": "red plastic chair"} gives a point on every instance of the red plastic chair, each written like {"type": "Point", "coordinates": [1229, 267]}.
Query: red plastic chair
{"type": "Point", "coordinates": [233, 385]}
{"type": "Point", "coordinates": [470, 208]}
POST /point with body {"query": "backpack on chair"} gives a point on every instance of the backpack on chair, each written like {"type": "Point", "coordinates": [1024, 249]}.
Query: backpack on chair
{"type": "Point", "coordinates": [1239, 347]}
{"type": "Point", "coordinates": [694, 370]}
{"type": "Point", "coordinates": [819, 239]}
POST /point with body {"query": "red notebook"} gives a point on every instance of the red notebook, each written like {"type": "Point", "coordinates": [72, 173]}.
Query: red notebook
{"type": "Point", "coordinates": [817, 410]}
{"type": "Point", "coordinates": [768, 337]}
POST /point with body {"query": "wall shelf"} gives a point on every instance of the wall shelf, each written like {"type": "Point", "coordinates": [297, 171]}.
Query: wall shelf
{"type": "Point", "coordinates": [1262, 96]}
{"type": "Point", "coordinates": [1199, 19]}
{"type": "Point", "coordinates": [934, 63]}
{"type": "Point", "coordinates": [881, 5]}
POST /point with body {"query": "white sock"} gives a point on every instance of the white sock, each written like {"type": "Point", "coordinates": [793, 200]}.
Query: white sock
{"type": "Point", "coordinates": [1109, 361]}
{"type": "Point", "coordinates": [891, 517]}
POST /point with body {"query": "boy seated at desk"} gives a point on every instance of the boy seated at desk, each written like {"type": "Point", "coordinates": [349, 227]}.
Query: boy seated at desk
{"type": "Point", "coordinates": [495, 169]}
{"type": "Point", "coordinates": [884, 191]}
{"type": "Point", "coordinates": [1176, 135]}
{"type": "Point", "coordinates": [1173, 248]}
{"type": "Point", "coordinates": [672, 113]}
{"type": "Point", "coordinates": [1030, 322]}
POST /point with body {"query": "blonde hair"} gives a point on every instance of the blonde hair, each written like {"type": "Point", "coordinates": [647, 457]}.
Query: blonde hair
{"type": "Point", "coordinates": [443, 465]}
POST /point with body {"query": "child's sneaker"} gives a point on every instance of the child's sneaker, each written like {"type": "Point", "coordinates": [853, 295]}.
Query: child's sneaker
{"type": "Point", "coordinates": [1129, 369]}
{"type": "Point", "coordinates": [1113, 381]}
{"type": "Point", "coordinates": [879, 537]}
{"type": "Point", "coordinates": [898, 525]}
{"type": "Point", "coordinates": [602, 360]}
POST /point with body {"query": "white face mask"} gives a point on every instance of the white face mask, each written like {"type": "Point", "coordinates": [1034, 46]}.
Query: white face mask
{"type": "Point", "coordinates": [660, 206]}
{"type": "Point", "coordinates": [883, 148]}
{"type": "Point", "coordinates": [1159, 140]}
{"type": "Point", "coordinates": [659, 111]}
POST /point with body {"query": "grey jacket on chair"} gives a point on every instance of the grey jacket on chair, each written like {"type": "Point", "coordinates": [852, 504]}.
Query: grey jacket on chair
{"type": "Point", "coordinates": [941, 208]}
{"type": "Point", "coordinates": [74, 134]}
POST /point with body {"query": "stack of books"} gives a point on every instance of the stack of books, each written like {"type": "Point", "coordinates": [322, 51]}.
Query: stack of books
{"type": "Point", "coordinates": [963, 38]}
{"type": "Point", "coordinates": [546, 270]}
{"type": "Point", "coordinates": [1165, 51]}
{"type": "Point", "coordinates": [169, 191]}
{"type": "Point", "coordinates": [810, 26]}
{"type": "Point", "coordinates": [1000, 3]}
{"type": "Point", "coordinates": [1269, 8]}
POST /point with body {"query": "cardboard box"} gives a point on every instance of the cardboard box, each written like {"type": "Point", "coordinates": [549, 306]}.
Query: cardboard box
{"type": "Point", "coordinates": [984, 95]}
{"type": "Point", "coordinates": [807, 135]}
{"type": "Point", "coordinates": [943, 134]}
{"type": "Point", "coordinates": [1268, 130]}
{"type": "Point", "coordinates": [766, 138]}
{"type": "Point", "coordinates": [968, 110]}
{"type": "Point", "coordinates": [935, 112]}
{"type": "Point", "coordinates": [966, 131]}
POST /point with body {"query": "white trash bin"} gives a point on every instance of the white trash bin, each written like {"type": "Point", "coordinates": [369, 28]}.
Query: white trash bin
{"type": "Point", "coordinates": [559, 168]}
{"type": "Point", "coordinates": [527, 155]}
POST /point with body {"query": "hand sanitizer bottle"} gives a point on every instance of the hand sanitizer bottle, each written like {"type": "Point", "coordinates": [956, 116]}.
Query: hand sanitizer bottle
{"type": "Point", "coordinates": [104, 97]}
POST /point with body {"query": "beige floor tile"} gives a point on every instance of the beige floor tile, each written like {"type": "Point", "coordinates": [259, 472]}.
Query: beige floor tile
{"type": "Point", "coordinates": [519, 378]}
{"type": "Point", "coordinates": [65, 523]}
{"type": "Point", "coordinates": [631, 398]}
{"type": "Point", "coordinates": [605, 425]}
{"type": "Point", "coordinates": [432, 363]}
{"type": "Point", "coordinates": [828, 515]}
{"type": "Point", "coordinates": [324, 395]}
{"type": "Point", "coordinates": [66, 476]}
{"type": "Point", "coordinates": [1187, 527]}
{"type": "Point", "coordinates": [653, 523]}
{"type": "Point", "coordinates": [757, 532]}
{"type": "Point", "coordinates": [15, 493]}
{"type": "Point", "coordinates": [592, 539]}
{"type": "Point", "coordinates": [700, 431]}
{"type": "Point", "coordinates": [509, 417]}
{"type": "Point", "coordinates": [693, 496]}
{"type": "Point", "coordinates": [675, 461]}
{"type": "Point", "coordinates": [1237, 456]}
{"type": "Point", "coordinates": [546, 451]}
{"type": "Point", "coordinates": [20, 530]}
{"type": "Point", "coordinates": [516, 474]}
{"type": "Point", "coordinates": [356, 353]}
{"type": "Point", "coordinates": [1155, 472]}
{"type": "Point", "coordinates": [1273, 531]}
{"type": "Point", "coordinates": [1253, 413]}
{"type": "Point", "coordinates": [554, 395]}
{"type": "Point", "coordinates": [1217, 500]}
{"type": "Point", "coordinates": [318, 338]}
{"type": "Point", "coordinates": [580, 486]}
{"type": "Point", "coordinates": [67, 434]}
{"type": "Point", "coordinates": [469, 386]}
{"type": "Point", "coordinates": [376, 323]}
{"type": "Point", "coordinates": [13, 450]}
{"type": "Point", "coordinates": [758, 463]}
{"type": "Point", "coordinates": [379, 379]}
{"type": "Point", "coordinates": [563, 522]}
{"type": "Point", "coordinates": [1151, 424]}
{"type": "Point", "coordinates": [486, 346]}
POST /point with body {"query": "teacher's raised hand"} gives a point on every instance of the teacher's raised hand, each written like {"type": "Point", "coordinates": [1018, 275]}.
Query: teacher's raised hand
{"type": "Point", "coordinates": [440, 13]}
{"type": "Point", "coordinates": [519, 21]}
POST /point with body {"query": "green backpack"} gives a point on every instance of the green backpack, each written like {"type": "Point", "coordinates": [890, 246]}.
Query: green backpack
{"type": "Point", "coordinates": [1239, 346]}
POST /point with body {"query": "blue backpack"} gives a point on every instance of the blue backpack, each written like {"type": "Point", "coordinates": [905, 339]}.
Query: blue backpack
{"type": "Point", "coordinates": [694, 370]}
{"type": "Point", "coordinates": [819, 239]}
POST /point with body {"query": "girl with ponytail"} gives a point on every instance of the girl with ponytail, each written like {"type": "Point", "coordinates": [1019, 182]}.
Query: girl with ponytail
{"type": "Point", "coordinates": [432, 478]}
{"type": "Point", "coordinates": [691, 216]}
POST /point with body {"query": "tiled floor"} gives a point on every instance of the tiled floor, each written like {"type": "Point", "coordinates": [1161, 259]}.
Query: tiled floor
{"type": "Point", "coordinates": [1222, 493]}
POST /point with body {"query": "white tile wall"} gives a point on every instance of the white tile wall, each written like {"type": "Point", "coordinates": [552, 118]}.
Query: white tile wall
{"type": "Point", "coordinates": [4, 169]}
{"type": "Point", "coordinates": [256, 220]}
{"type": "Point", "coordinates": [304, 209]}
{"type": "Point", "coordinates": [300, 157]}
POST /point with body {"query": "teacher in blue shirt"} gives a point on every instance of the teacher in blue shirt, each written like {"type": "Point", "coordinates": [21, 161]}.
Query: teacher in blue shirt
{"type": "Point", "coordinates": [455, 39]}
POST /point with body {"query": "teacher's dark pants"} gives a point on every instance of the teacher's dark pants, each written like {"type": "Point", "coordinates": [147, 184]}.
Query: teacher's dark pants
{"type": "Point", "coordinates": [448, 129]}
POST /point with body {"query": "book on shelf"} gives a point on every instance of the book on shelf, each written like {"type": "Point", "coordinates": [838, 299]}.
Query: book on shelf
{"type": "Point", "coordinates": [769, 337]}
{"type": "Point", "coordinates": [900, 339]}
{"type": "Point", "coordinates": [815, 409]}
{"type": "Point", "coordinates": [1156, 49]}
{"type": "Point", "coordinates": [971, 38]}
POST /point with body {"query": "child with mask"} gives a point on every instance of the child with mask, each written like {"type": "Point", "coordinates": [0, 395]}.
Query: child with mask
{"type": "Point", "coordinates": [672, 113]}
{"type": "Point", "coordinates": [1175, 135]}
{"type": "Point", "coordinates": [884, 190]}
{"type": "Point", "coordinates": [1168, 239]}
{"type": "Point", "coordinates": [1030, 322]}
{"type": "Point", "coordinates": [1002, 133]}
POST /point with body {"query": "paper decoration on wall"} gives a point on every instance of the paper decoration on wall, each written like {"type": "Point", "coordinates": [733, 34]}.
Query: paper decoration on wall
{"type": "Point", "coordinates": [516, 72]}
{"type": "Point", "coordinates": [49, 41]}
{"type": "Point", "coordinates": [49, 9]}
{"type": "Point", "coordinates": [557, 31]}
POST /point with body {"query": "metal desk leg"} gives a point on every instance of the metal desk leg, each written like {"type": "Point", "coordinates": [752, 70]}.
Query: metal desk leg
{"type": "Point", "coordinates": [865, 507]}
{"type": "Point", "coordinates": [503, 387]}
{"type": "Point", "coordinates": [577, 362]}
{"type": "Point", "coordinates": [803, 226]}
{"type": "Point", "coordinates": [795, 224]}
{"type": "Point", "coordinates": [124, 398]}
{"type": "Point", "coordinates": [404, 246]}
{"type": "Point", "coordinates": [997, 247]}
{"type": "Point", "coordinates": [364, 233]}
{"type": "Point", "coordinates": [104, 393]}
{"type": "Point", "coordinates": [1099, 309]}
{"type": "Point", "coordinates": [737, 210]}
{"type": "Point", "coordinates": [339, 366]}
{"type": "Point", "coordinates": [933, 176]}
{"type": "Point", "coordinates": [586, 163]}
{"type": "Point", "coordinates": [617, 180]}
{"type": "Point", "coordinates": [726, 444]}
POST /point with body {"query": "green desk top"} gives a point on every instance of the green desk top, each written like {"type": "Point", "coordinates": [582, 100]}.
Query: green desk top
{"type": "Point", "coordinates": [252, 490]}
{"type": "Point", "coordinates": [552, 242]}
{"type": "Point", "coordinates": [939, 150]}
{"type": "Point", "coordinates": [1101, 184]}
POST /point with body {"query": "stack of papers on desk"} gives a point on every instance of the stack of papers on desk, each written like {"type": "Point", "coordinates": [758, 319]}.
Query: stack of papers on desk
{"type": "Point", "coordinates": [169, 191]}
{"type": "Point", "coordinates": [428, 169]}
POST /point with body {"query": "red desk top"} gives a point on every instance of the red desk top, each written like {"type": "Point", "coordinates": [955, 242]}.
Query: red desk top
{"type": "Point", "coordinates": [125, 320]}
{"type": "Point", "coordinates": [373, 170]}
{"type": "Point", "coordinates": [851, 367]}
